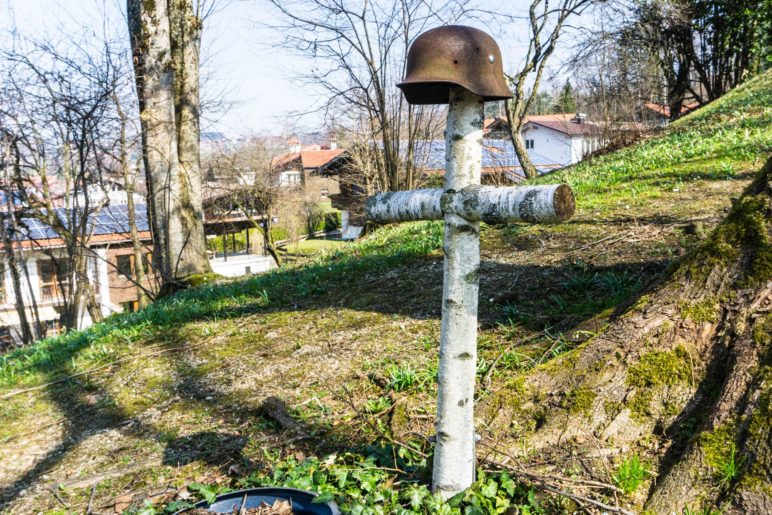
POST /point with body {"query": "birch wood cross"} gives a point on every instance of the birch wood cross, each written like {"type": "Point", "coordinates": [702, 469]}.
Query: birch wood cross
{"type": "Point", "coordinates": [463, 204]}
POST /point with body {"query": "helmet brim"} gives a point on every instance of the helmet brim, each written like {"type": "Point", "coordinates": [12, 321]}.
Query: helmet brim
{"type": "Point", "coordinates": [427, 93]}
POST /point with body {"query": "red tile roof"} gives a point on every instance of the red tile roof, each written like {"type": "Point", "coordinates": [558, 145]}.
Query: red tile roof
{"type": "Point", "coordinates": [319, 158]}
{"type": "Point", "coordinates": [557, 117]}
{"type": "Point", "coordinates": [284, 159]}
{"type": "Point", "coordinates": [308, 158]}
{"type": "Point", "coordinates": [664, 110]}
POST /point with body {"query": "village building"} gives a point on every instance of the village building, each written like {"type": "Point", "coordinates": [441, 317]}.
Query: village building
{"type": "Point", "coordinates": [500, 164]}
{"type": "Point", "coordinates": [110, 269]}
{"type": "Point", "coordinates": [312, 169]}
{"type": "Point", "coordinates": [560, 140]}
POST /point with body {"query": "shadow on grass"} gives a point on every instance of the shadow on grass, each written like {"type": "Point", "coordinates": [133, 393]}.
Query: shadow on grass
{"type": "Point", "coordinates": [401, 283]}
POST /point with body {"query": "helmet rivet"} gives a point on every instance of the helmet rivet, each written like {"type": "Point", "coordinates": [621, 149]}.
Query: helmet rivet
{"type": "Point", "coordinates": [492, 58]}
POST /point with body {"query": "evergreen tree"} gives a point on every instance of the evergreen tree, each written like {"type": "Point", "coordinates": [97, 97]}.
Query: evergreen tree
{"type": "Point", "coordinates": [565, 101]}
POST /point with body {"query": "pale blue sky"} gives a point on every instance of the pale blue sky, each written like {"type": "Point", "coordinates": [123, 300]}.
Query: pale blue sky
{"type": "Point", "coordinates": [238, 65]}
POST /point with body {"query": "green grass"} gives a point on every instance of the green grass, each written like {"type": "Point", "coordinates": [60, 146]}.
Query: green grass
{"type": "Point", "coordinates": [313, 246]}
{"type": "Point", "coordinates": [733, 130]}
{"type": "Point", "coordinates": [713, 142]}
{"type": "Point", "coordinates": [630, 474]}
{"type": "Point", "coordinates": [124, 333]}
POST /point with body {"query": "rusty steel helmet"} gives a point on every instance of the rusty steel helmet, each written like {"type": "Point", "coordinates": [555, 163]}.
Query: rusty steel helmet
{"type": "Point", "coordinates": [453, 55]}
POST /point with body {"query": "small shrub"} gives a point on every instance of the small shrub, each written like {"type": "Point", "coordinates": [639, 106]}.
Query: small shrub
{"type": "Point", "coordinates": [377, 404]}
{"type": "Point", "coordinates": [630, 475]}
{"type": "Point", "coordinates": [402, 377]}
{"type": "Point", "coordinates": [332, 221]}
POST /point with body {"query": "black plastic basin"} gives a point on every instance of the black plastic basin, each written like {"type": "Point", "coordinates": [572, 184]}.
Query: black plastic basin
{"type": "Point", "coordinates": [301, 501]}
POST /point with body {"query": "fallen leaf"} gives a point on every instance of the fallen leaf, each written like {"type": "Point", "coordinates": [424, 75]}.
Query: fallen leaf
{"type": "Point", "coordinates": [122, 502]}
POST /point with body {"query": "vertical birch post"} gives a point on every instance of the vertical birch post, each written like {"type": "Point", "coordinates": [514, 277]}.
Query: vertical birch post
{"type": "Point", "coordinates": [461, 66]}
{"type": "Point", "coordinates": [454, 454]}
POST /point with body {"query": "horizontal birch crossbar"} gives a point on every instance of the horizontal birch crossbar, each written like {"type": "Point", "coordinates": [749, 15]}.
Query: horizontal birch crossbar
{"type": "Point", "coordinates": [490, 204]}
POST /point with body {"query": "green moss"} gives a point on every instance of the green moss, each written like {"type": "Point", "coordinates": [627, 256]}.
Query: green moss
{"type": "Point", "coordinates": [641, 303]}
{"type": "Point", "coordinates": [716, 445]}
{"type": "Point", "coordinates": [700, 312]}
{"type": "Point", "coordinates": [746, 228]}
{"type": "Point", "coordinates": [579, 401]}
{"type": "Point", "coordinates": [757, 474]}
{"type": "Point", "coordinates": [653, 370]}
{"type": "Point", "coordinates": [762, 332]}
{"type": "Point", "coordinates": [660, 368]}
{"type": "Point", "coordinates": [566, 361]}
{"type": "Point", "coordinates": [399, 418]}
{"type": "Point", "coordinates": [197, 280]}
{"type": "Point", "coordinates": [511, 397]}
{"type": "Point", "coordinates": [612, 408]}
{"type": "Point", "coordinates": [640, 403]}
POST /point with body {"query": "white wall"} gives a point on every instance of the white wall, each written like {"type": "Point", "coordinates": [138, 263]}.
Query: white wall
{"type": "Point", "coordinates": [237, 265]}
{"type": "Point", "coordinates": [549, 146]}
{"type": "Point", "coordinates": [581, 146]}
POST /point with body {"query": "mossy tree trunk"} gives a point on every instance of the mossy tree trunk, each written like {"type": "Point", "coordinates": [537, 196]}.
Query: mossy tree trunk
{"type": "Point", "coordinates": [682, 378]}
{"type": "Point", "coordinates": [165, 38]}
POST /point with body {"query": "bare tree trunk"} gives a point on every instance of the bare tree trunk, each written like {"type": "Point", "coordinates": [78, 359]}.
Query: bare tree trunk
{"type": "Point", "coordinates": [515, 134]}
{"type": "Point", "coordinates": [544, 38]}
{"type": "Point", "coordinates": [185, 45]}
{"type": "Point", "coordinates": [454, 454]}
{"type": "Point", "coordinates": [174, 186]}
{"type": "Point", "coordinates": [686, 369]}
{"type": "Point", "coordinates": [130, 184]}
{"type": "Point", "coordinates": [10, 255]}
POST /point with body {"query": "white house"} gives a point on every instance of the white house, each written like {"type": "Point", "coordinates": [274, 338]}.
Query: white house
{"type": "Point", "coordinates": [560, 139]}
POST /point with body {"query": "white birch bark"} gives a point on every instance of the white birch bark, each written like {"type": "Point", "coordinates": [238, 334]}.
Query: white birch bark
{"type": "Point", "coordinates": [454, 454]}
{"type": "Point", "coordinates": [489, 204]}
{"type": "Point", "coordinates": [463, 204]}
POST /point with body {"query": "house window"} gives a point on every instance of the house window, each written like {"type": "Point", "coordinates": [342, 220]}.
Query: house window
{"type": "Point", "coordinates": [52, 327]}
{"type": "Point", "coordinates": [130, 306]}
{"type": "Point", "coordinates": [6, 340]}
{"type": "Point", "coordinates": [54, 278]}
{"type": "Point", "coordinates": [324, 192]}
{"type": "Point", "coordinates": [529, 144]}
{"type": "Point", "coordinates": [125, 264]}
{"type": "Point", "coordinates": [290, 178]}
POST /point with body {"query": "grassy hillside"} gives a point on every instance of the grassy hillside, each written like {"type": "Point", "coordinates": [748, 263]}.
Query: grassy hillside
{"type": "Point", "coordinates": [164, 405]}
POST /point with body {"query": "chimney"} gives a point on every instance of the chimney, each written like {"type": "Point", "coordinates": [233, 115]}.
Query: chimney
{"type": "Point", "coordinates": [333, 142]}
{"type": "Point", "coordinates": [294, 144]}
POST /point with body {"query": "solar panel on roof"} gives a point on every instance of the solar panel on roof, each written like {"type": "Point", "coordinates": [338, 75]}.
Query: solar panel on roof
{"type": "Point", "coordinates": [110, 220]}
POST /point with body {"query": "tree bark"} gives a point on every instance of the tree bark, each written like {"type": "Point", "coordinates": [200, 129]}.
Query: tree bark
{"type": "Point", "coordinates": [515, 117]}
{"type": "Point", "coordinates": [164, 55]}
{"type": "Point", "coordinates": [489, 204]}
{"type": "Point", "coordinates": [454, 453]}
{"type": "Point", "coordinates": [687, 369]}
{"type": "Point", "coordinates": [186, 44]}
